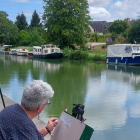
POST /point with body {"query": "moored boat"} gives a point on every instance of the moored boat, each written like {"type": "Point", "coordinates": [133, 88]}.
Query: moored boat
{"type": "Point", "coordinates": [30, 55]}
{"type": "Point", "coordinates": [125, 54]}
{"type": "Point", "coordinates": [48, 51]}
{"type": "Point", "coordinates": [13, 52]}
{"type": "Point", "coordinates": [22, 52]}
{"type": "Point", "coordinates": [5, 49]}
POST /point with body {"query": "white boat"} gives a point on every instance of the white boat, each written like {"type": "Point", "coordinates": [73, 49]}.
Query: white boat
{"type": "Point", "coordinates": [48, 51]}
{"type": "Point", "coordinates": [13, 52]}
{"type": "Point", "coordinates": [125, 54]}
{"type": "Point", "coordinates": [22, 52]}
{"type": "Point", "coordinates": [5, 49]}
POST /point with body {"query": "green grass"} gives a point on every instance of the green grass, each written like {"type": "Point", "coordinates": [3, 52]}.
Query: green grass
{"type": "Point", "coordinates": [23, 47]}
{"type": "Point", "coordinates": [98, 53]}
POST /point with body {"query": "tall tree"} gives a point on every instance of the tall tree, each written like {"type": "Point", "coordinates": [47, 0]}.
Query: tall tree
{"type": "Point", "coordinates": [134, 33]}
{"type": "Point", "coordinates": [35, 21]}
{"type": "Point", "coordinates": [8, 30]}
{"type": "Point", "coordinates": [118, 26]}
{"type": "Point", "coordinates": [21, 22]}
{"type": "Point", "coordinates": [66, 21]}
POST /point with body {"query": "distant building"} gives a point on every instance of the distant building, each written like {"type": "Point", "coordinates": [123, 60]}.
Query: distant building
{"type": "Point", "coordinates": [102, 26]}
{"type": "Point", "coordinates": [128, 21]}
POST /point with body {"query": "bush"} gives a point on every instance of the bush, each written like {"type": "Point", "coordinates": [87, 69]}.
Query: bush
{"type": "Point", "coordinates": [97, 38]}
{"type": "Point", "coordinates": [120, 40]}
{"type": "Point", "coordinates": [74, 54]}
{"type": "Point", "coordinates": [96, 57]}
{"type": "Point", "coordinates": [103, 47]}
{"type": "Point", "coordinates": [78, 54]}
{"type": "Point", "coordinates": [67, 52]}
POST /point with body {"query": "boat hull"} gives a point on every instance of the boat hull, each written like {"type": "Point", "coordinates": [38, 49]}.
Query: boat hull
{"type": "Point", "coordinates": [13, 53]}
{"type": "Point", "coordinates": [22, 53]}
{"type": "Point", "coordinates": [49, 56]}
{"type": "Point", "coordinates": [4, 52]}
{"type": "Point", "coordinates": [123, 61]}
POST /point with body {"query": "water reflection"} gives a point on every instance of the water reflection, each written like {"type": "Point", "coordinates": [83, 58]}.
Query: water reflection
{"type": "Point", "coordinates": [110, 93]}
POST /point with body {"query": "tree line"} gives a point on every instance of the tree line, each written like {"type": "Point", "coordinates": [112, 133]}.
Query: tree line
{"type": "Point", "coordinates": [64, 22]}
{"type": "Point", "coordinates": [20, 33]}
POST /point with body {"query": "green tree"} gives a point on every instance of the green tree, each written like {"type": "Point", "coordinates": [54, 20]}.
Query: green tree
{"type": "Point", "coordinates": [134, 33]}
{"type": "Point", "coordinates": [8, 30]}
{"type": "Point", "coordinates": [24, 38]}
{"type": "Point", "coordinates": [35, 21]}
{"type": "Point", "coordinates": [118, 26]}
{"type": "Point", "coordinates": [35, 37]}
{"type": "Point", "coordinates": [21, 22]}
{"type": "Point", "coordinates": [66, 21]}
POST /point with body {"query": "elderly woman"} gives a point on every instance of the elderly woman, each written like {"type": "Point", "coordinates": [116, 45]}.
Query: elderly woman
{"type": "Point", "coordinates": [16, 120]}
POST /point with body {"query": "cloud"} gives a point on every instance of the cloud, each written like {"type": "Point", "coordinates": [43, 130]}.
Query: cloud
{"type": "Point", "coordinates": [135, 111]}
{"type": "Point", "coordinates": [20, 1]}
{"type": "Point", "coordinates": [99, 13]}
{"type": "Point", "coordinates": [99, 3]}
{"type": "Point", "coordinates": [124, 9]}
{"type": "Point", "coordinates": [105, 110]}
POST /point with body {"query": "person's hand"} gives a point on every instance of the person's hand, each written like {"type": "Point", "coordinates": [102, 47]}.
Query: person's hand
{"type": "Point", "coordinates": [52, 123]}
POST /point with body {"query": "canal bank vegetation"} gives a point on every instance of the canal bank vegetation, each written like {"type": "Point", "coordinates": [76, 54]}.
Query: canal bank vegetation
{"type": "Point", "coordinates": [98, 53]}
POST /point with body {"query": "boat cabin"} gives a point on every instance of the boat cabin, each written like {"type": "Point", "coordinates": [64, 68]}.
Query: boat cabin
{"type": "Point", "coordinates": [45, 49]}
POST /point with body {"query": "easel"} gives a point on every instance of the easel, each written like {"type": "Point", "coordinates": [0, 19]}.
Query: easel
{"type": "Point", "coordinates": [2, 98]}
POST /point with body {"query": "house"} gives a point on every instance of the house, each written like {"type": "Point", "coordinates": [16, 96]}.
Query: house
{"type": "Point", "coordinates": [128, 21]}
{"type": "Point", "coordinates": [102, 26]}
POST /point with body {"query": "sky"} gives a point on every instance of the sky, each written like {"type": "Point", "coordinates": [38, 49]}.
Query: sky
{"type": "Point", "coordinates": [100, 10]}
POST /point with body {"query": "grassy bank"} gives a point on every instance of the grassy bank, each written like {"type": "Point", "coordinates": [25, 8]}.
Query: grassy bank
{"type": "Point", "coordinates": [98, 53]}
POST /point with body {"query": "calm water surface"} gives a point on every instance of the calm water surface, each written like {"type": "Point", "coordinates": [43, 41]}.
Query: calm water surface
{"type": "Point", "coordinates": [111, 94]}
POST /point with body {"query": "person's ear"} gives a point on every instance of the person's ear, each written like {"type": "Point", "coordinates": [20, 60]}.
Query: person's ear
{"type": "Point", "coordinates": [39, 110]}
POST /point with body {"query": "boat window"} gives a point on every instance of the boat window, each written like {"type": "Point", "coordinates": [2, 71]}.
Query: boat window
{"type": "Point", "coordinates": [52, 50]}
{"type": "Point", "coordinates": [45, 51]}
{"type": "Point", "coordinates": [128, 49]}
{"type": "Point", "coordinates": [56, 50]}
{"type": "Point", "coordinates": [40, 50]}
{"type": "Point", "coordinates": [135, 48]}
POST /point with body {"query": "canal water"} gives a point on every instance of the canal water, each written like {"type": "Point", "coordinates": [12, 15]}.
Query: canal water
{"type": "Point", "coordinates": [111, 94]}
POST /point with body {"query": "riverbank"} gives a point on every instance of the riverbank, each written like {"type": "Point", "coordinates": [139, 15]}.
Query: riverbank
{"type": "Point", "coordinates": [96, 53]}
{"type": "Point", "coordinates": [38, 123]}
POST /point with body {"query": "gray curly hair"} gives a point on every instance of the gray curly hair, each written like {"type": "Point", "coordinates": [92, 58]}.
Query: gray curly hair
{"type": "Point", "coordinates": [36, 94]}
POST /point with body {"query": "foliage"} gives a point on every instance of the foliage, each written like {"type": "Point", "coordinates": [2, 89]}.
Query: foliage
{"type": "Point", "coordinates": [24, 38]}
{"type": "Point", "coordinates": [118, 26]}
{"type": "Point", "coordinates": [21, 22]}
{"type": "Point", "coordinates": [35, 37]}
{"type": "Point", "coordinates": [120, 40]}
{"type": "Point", "coordinates": [75, 54]}
{"type": "Point", "coordinates": [35, 21]}
{"type": "Point", "coordinates": [67, 21]}
{"type": "Point", "coordinates": [8, 31]}
{"type": "Point", "coordinates": [134, 33]}
{"type": "Point", "coordinates": [97, 38]}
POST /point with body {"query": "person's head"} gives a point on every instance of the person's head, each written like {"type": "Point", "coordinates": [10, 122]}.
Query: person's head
{"type": "Point", "coordinates": [36, 94]}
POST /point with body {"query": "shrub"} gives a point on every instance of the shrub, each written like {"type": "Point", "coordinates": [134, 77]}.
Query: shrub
{"type": "Point", "coordinates": [78, 54]}
{"type": "Point", "coordinates": [67, 52]}
{"type": "Point", "coordinates": [120, 40]}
